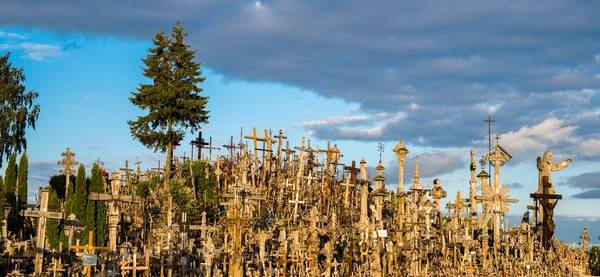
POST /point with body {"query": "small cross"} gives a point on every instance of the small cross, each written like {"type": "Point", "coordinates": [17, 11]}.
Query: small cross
{"type": "Point", "coordinates": [380, 148]}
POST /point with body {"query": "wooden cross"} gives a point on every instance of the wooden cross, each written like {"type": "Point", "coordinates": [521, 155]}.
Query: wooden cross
{"type": "Point", "coordinates": [114, 199]}
{"type": "Point", "coordinates": [200, 143]}
{"type": "Point", "coordinates": [210, 148]}
{"type": "Point", "coordinates": [134, 267]}
{"type": "Point", "coordinates": [280, 137]}
{"type": "Point", "coordinates": [88, 249]}
{"type": "Point", "coordinates": [231, 147]}
{"type": "Point", "coordinates": [57, 267]}
{"type": "Point", "coordinates": [353, 171]}
{"type": "Point", "coordinates": [67, 162]}
{"type": "Point", "coordinates": [266, 140]}
{"type": "Point", "coordinates": [127, 171]}
{"type": "Point", "coordinates": [43, 215]}
{"type": "Point", "coordinates": [296, 201]}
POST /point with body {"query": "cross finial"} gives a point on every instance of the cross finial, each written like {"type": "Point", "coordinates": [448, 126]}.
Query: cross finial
{"type": "Point", "coordinates": [380, 148]}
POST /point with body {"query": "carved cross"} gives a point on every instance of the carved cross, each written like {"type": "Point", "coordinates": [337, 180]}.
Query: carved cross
{"type": "Point", "coordinates": [67, 162]}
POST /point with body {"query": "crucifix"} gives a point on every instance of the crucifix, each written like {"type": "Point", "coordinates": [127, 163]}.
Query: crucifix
{"type": "Point", "coordinates": [89, 250]}
{"type": "Point", "coordinates": [267, 143]}
{"type": "Point", "coordinates": [67, 162]}
{"type": "Point", "coordinates": [43, 215]}
{"type": "Point", "coordinates": [296, 201]}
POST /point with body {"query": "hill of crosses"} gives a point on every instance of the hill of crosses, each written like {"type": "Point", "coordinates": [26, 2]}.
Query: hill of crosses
{"type": "Point", "coordinates": [267, 208]}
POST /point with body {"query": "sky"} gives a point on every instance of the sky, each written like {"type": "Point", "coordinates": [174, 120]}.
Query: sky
{"type": "Point", "coordinates": [352, 72]}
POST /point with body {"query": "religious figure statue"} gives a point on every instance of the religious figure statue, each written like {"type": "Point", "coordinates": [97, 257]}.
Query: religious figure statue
{"type": "Point", "coordinates": [545, 167]}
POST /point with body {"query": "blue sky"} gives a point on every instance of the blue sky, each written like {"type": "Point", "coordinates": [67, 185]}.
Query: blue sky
{"type": "Point", "coordinates": [350, 72]}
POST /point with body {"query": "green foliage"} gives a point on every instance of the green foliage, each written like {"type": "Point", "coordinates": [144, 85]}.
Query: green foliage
{"type": "Point", "coordinates": [10, 178]}
{"type": "Point", "coordinates": [58, 184]}
{"type": "Point", "coordinates": [54, 227]}
{"type": "Point", "coordinates": [595, 260]}
{"type": "Point", "coordinates": [8, 188]}
{"type": "Point", "coordinates": [95, 218]}
{"type": "Point", "coordinates": [205, 181]}
{"type": "Point", "coordinates": [22, 182]}
{"type": "Point", "coordinates": [144, 187]}
{"type": "Point", "coordinates": [79, 198]}
{"type": "Point", "coordinates": [17, 109]}
{"type": "Point", "coordinates": [183, 198]}
{"type": "Point", "coordinates": [172, 101]}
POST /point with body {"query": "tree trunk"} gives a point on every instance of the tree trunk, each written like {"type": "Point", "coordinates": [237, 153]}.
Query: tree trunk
{"type": "Point", "coordinates": [168, 164]}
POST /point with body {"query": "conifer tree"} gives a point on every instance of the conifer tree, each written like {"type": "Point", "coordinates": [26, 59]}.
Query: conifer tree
{"type": "Point", "coordinates": [10, 178]}
{"type": "Point", "coordinates": [80, 196]}
{"type": "Point", "coordinates": [95, 218]}
{"type": "Point", "coordinates": [22, 183]}
{"type": "Point", "coordinates": [172, 101]}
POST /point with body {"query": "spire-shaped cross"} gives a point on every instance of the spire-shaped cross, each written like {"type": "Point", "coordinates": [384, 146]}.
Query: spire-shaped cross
{"type": "Point", "coordinates": [380, 148]}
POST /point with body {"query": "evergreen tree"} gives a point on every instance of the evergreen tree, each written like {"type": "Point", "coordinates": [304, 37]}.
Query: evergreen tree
{"type": "Point", "coordinates": [80, 196]}
{"type": "Point", "coordinates": [10, 179]}
{"type": "Point", "coordinates": [95, 218]}
{"type": "Point", "coordinates": [173, 101]}
{"type": "Point", "coordinates": [22, 183]}
{"type": "Point", "coordinates": [54, 227]}
{"type": "Point", "coordinates": [17, 109]}
{"type": "Point", "coordinates": [10, 182]}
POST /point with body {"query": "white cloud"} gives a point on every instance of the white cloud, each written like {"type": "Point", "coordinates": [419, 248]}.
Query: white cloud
{"type": "Point", "coordinates": [40, 51]}
{"type": "Point", "coordinates": [9, 35]}
{"type": "Point", "coordinates": [538, 137]}
{"type": "Point", "coordinates": [34, 51]}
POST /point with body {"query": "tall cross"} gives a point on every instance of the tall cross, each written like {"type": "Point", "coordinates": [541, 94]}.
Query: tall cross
{"type": "Point", "coordinates": [43, 215]}
{"type": "Point", "coordinates": [200, 143]}
{"type": "Point", "coordinates": [67, 162]}
{"type": "Point", "coordinates": [489, 122]}
{"type": "Point", "coordinates": [231, 147]}
{"type": "Point", "coordinates": [380, 149]}
{"type": "Point", "coordinates": [114, 214]}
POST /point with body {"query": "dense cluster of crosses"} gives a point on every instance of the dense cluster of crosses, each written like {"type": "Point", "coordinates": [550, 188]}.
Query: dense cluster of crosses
{"type": "Point", "coordinates": [297, 211]}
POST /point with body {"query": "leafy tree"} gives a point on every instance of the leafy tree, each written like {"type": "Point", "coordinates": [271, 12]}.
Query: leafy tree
{"type": "Point", "coordinates": [205, 181]}
{"type": "Point", "coordinates": [172, 101]}
{"type": "Point", "coordinates": [95, 218]}
{"type": "Point", "coordinates": [58, 184]}
{"type": "Point", "coordinates": [18, 110]}
{"type": "Point", "coordinates": [3, 202]}
{"type": "Point", "coordinates": [594, 260]}
{"type": "Point", "coordinates": [21, 190]}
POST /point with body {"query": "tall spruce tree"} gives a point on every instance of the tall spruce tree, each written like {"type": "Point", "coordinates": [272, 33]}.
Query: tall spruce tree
{"type": "Point", "coordinates": [21, 190]}
{"type": "Point", "coordinates": [95, 218]}
{"type": "Point", "coordinates": [18, 110]}
{"type": "Point", "coordinates": [172, 101]}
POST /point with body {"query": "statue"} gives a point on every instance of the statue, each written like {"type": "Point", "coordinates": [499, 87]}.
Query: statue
{"type": "Point", "coordinates": [545, 168]}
